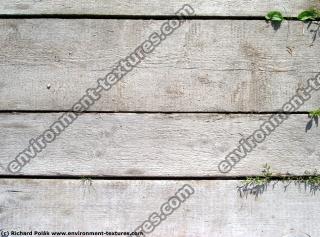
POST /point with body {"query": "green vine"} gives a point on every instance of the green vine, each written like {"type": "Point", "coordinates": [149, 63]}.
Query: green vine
{"type": "Point", "coordinates": [274, 16]}
{"type": "Point", "coordinates": [311, 14]}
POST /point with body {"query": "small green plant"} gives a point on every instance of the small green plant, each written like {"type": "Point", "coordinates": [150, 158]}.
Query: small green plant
{"type": "Point", "coordinates": [260, 180]}
{"type": "Point", "coordinates": [309, 15]}
{"type": "Point", "coordinates": [314, 118]}
{"type": "Point", "coordinates": [87, 185]}
{"type": "Point", "coordinates": [274, 16]}
{"type": "Point", "coordinates": [313, 178]}
{"type": "Point", "coordinates": [257, 185]}
{"type": "Point", "coordinates": [85, 180]}
{"type": "Point", "coordinates": [314, 113]}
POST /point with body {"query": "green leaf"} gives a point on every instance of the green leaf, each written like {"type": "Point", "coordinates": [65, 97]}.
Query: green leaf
{"type": "Point", "coordinates": [314, 113]}
{"type": "Point", "coordinates": [308, 15]}
{"type": "Point", "coordinates": [274, 16]}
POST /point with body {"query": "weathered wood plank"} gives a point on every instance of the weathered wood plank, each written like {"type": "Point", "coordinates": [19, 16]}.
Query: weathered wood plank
{"type": "Point", "coordinates": [158, 144]}
{"type": "Point", "coordinates": [214, 209]}
{"type": "Point", "coordinates": [154, 7]}
{"type": "Point", "coordinates": [205, 66]}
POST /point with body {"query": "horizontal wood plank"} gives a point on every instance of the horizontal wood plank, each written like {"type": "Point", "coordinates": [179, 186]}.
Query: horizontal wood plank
{"type": "Point", "coordinates": [154, 7]}
{"type": "Point", "coordinates": [47, 64]}
{"type": "Point", "coordinates": [214, 209]}
{"type": "Point", "coordinates": [158, 144]}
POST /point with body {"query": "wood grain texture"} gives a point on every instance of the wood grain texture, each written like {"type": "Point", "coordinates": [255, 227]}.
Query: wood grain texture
{"type": "Point", "coordinates": [154, 7]}
{"type": "Point", "coordinates": [216, 65]}
{"type": "Point", "coordinates": [215, 208]}
{"type": "Point", "coordinates": [158, 144]}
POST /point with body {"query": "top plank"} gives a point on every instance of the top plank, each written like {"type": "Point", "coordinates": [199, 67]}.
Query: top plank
{"type": "Point", "coordinates": [228, 8]}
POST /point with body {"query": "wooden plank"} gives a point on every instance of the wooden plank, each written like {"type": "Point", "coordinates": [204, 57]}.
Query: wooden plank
{"type": "Point", "coordinates": [154, 7]}
{"type": "Point", "coordinates": [214, 209]}
{"type": "Point", "coordinates": [158, 144]}
{"type": "Point", "coordinates": [218, 65]}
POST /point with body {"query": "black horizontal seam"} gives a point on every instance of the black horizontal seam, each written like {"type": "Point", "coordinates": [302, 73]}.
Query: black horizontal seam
{"type": "Point", "coordinates": [149, 112]}
{"type": "Point", "coordinates": [173, 178]}
{"type": "Point", "coordinates": [131, 17]}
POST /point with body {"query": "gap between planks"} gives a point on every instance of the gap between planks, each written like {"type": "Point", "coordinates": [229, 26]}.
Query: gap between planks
{"type": "Point", "coordinates": [149, 112]}
{"type": "Point", "coordinates": [135, 17]}
{"type": "Point", "coordinates": [76, 177]}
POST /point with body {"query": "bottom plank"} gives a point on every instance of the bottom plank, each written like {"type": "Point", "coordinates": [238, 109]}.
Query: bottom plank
{"type": "Point", "coordinates": [200, 208]}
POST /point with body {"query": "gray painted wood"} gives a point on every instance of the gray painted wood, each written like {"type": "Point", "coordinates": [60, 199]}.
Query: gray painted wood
{"type": "Point", "coordinates": [158, 144]}
{"type": "Point", "coordinates": [154, 7]}
{"type": "Point", "coordinates": [215, 208]}
{"type": "Point", "coordinates": [217, 65]}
